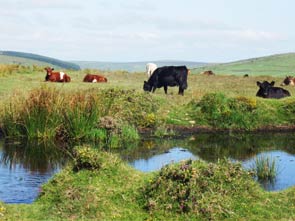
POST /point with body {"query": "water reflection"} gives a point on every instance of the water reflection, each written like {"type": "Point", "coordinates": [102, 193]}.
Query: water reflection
{"type": "Point", "coordinates": [24, 167]}
{"type": "Point", "coordinates": [156, 162]}
{"type": "Point", "coordinates": [150, 155]}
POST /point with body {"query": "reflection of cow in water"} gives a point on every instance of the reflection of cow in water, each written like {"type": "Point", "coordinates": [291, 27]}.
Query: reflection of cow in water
{"type": "Point", "coordinates": [267, 90]}
{"type": "Point", "coordinates": [289, 80]}
{"type": "Point", "coordinates": [208, 73]}
{"type": "Point", "coordinates": [167, 76]}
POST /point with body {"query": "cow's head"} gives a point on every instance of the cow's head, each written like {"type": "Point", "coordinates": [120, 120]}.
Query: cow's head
{"type": "Point", "coordinates": [264, 87]}
{"type": "Point", "coordinates": [147, 86]}
{"type": "Point", "coordinates": [49, 70]}
{"type": "Point", "coordinates": [288, 81]}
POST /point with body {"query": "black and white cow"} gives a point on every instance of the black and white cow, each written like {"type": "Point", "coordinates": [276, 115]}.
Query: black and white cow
{"type": "Point", "coordinates": [168, 76]}
{"type": "Point", "coordinates": [267, 90]}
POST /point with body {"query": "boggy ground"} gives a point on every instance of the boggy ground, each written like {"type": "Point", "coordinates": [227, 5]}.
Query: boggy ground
{"type": "Point", "coordinates": [113, 190]}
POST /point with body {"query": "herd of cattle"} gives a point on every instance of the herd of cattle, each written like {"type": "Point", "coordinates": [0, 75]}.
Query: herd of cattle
{"type": "Point", "coordinates": [63, 77]}
{"type": "Point", "coordinates": [174, 76]}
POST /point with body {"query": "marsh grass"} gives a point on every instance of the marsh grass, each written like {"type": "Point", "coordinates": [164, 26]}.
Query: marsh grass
{"type": "Point", "coordinates": [50, 113]}
{"type": "Point", "coordinates": [265, 168]}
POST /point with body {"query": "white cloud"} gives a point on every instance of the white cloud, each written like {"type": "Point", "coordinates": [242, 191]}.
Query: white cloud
{"type": "Point", "coordinates": [130, 30]}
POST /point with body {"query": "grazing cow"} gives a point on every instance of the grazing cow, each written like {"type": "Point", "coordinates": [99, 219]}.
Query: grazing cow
{"type": "Point", "coordinates": [167, 76]}
{"type": "Point", "coordinates": [267, 90]}
{"type": "Point", "coordinates": [208, 73]}
{"type": "Point", "coordinates": [93, 78]}
{"type": "Point", "coordinates": [289, 80]}
{"type": "Point", "coordinates": [56, 76]}
{"type": "Point", "coordinates": [150, 68]}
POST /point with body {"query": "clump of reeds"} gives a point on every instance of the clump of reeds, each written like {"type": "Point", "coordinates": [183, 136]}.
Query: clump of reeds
{"type": "Point", "coordinates": [265, 168]}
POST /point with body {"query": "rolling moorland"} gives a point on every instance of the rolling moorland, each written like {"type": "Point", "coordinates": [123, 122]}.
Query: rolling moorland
{"type": "Point", "coordinates": [29, 59]}
{"type": "Point", "coordinates": [98, 185]}
{"type": "Point", "coordinates": [273, 65]}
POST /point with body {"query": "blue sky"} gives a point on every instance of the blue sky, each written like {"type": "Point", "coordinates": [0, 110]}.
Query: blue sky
{"type": "Point", "coordinates": [141, 30]}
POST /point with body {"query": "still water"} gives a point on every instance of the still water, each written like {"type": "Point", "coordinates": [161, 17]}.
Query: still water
{"type": "Point", "coordinates": [24, 166]}
{"type": "Point", "coordinates": [244, 148]}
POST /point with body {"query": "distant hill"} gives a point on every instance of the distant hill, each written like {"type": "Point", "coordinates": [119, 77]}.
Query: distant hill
{"type": "Point", "coordinates": [27, 59]}
{"type": "Point", "coordinates": [133, 66]}
{"type": "Point", "coordinates": [274, 65]}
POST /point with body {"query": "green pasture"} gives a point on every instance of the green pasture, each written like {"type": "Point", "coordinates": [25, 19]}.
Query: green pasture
{"type": "Point", "coordinates": [198, 85]}
{"type": "Point", "coordinates": [275, 65]}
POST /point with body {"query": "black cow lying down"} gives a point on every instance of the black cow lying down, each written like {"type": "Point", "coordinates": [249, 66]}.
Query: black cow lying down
{"type": "Point", "coordinates": [267, 90]}
{"type": "Point", "coordinates": [167, 76]}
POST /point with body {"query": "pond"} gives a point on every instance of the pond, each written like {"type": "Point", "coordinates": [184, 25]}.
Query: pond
{"type": "Point", "coordinates": [24, 166]}
{"type": "Point", "coordinates": [244, 148]}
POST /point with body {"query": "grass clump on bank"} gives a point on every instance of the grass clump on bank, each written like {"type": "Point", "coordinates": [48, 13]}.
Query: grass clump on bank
{"type": "Point", "coordinates": [48, 113]}
{"type": "Point", "coordinates": [202, 190]}
{"type": "Point", "coordinates": [222, 112]}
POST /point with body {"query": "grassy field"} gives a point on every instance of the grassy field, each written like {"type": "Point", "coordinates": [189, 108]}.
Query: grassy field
{"type": "Point", "coordinates": [98, 186]}
{"type": "Point", "coordinates": [274, 65]}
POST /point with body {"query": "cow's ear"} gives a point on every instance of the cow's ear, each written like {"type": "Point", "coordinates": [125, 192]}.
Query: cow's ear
{"type": "Point", "coordinates": [52, 68]}
{"type": "Point", "coordinates": [145, 82]}
{"type": "Point", "coordinates": [258, 83]}
{"type": "Point", "coordinates": [272, 83]}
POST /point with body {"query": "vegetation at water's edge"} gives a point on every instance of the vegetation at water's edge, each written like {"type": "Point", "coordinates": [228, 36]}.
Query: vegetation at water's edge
{"type": "Point", "coordinates": [113, 116]}
{"type": "Point", "coordinates": [99, 185]}
{"type": "Point", "coordinates": [110, 117]}
{"type": "Point", "coordinates": [265, 168]}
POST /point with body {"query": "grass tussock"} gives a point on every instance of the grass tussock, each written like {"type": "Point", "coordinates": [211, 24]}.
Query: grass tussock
{"type": "Point", "coordinates": [202, 190]}
{"type": "Point", "coordinates": [243, 113]}
{"type": "Point", "coordinates": [265, 168]}
{"type": "Point", "coordinates": [48, 113]}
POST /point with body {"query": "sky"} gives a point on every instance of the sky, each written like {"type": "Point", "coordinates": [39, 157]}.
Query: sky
{"type": "Point", "coordinates": [148, 30]}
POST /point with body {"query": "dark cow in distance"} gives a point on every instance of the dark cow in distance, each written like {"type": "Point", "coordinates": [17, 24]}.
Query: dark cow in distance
{"type": "Point", "coordinates": [267, 90]}
{"type": "Point", "coordinates": [209, 73]}
{"type": "Point", "coordinates": [93, 78]}
{"type": "Point", "coordinates": [289, 80]}
{"type": "Point", "coordinates": [56, 76]}
{"type": "Point", "coordinates": [168, 76]}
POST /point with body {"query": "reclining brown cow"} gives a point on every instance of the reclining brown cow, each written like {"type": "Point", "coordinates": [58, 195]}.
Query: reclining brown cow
{"type": "Point", "coordinates": [93, 78]}
{"type": "Point", "coordinates": [56, 76]}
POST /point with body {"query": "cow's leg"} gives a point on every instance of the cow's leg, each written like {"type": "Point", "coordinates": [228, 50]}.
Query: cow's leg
{"type": "Point", "coordinates": [165, 89]}
{"type": "Point", "coordinates": [180, 91]}
{"type": "Point", "coordinates": [154, 88]}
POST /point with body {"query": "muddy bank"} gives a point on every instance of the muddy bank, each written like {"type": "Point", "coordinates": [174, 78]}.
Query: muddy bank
{"type": "Point", "coordinates": [178, 130]}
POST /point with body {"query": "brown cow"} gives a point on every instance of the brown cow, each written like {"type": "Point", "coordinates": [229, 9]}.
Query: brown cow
{"type": "Point", "coordinates": [92, 78]}
{"type": "Point", "coordinates": [208, 73]}
{"type": "Point", "coordinates": [56, 76]}
{"type": "Point", "coordinates": [289, 80]}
